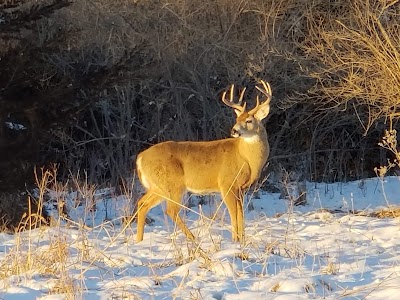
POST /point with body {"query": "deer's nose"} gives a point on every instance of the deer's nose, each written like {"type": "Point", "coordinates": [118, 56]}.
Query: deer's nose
{"type": "Point", "coordinates": [235, 132]}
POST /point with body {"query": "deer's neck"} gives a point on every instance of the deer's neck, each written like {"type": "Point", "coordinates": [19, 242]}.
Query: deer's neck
{"type": "Point", "coordinates": [255, 150]}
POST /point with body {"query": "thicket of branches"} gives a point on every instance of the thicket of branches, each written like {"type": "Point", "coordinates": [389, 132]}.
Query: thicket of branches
{"type": "Point", "coordinates": [94, 82]}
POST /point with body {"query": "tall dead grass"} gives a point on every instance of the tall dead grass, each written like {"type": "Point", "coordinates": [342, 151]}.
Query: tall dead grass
{"type": "Point", "coordinates": [47, 249]}
{"type": "Point", "coordinates": [29, 255]}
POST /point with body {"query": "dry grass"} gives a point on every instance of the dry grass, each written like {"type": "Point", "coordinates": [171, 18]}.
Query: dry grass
{"type": "Point", "coordinates": [390, 212]}
{"type": "Point", "coordinates": [29, 256]}
{"type": "Point", "coordinates": [67, 287]}
{"type": "Point", "coordinates": [275, 288]}
{"type": "Point", "coordinates": [54, 260]}
{"type": "Point", "coordinates": [389, 143]}
{"type": "Point", "coordinates": [331, 269]}
{"type": "Point", "coordinates": [26, 257]}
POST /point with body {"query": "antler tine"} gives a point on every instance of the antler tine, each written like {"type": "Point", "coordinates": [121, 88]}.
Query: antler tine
{"type": "Point", "coordinates": [241, 96]}
{"type": "Point", "coordinates": [257, 101]}
{"type": "Point", "coordinates": [266, 90]}
{"type": "Point", "coordinates": [230, 102]}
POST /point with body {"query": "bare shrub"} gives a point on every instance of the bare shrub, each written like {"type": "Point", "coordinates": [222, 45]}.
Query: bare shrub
{"type": "Point", "coordinates": [359, 55]}
{"type": "Point", "coordinates": [351, 53]}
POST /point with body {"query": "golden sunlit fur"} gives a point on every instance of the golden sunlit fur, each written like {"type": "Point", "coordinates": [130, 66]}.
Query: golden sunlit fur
{"type": "Point", "coordinates": [170, 169]}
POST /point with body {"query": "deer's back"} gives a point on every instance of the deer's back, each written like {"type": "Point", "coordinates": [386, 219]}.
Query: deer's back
{"type": "Point", "coordinates": [200, 166]}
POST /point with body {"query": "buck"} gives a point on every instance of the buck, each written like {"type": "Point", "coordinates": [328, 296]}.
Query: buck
{"type": "Point", "coordinates": [229, 166]}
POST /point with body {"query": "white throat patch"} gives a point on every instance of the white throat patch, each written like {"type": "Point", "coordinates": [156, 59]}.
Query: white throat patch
{"type": "Point", "coordinates": [252, 139]}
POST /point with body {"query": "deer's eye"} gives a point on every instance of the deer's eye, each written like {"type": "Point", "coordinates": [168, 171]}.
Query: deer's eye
{"type": "Point", "coordinates": [249, 121]}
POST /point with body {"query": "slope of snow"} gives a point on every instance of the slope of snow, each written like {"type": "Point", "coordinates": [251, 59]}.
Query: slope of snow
{"type": "Point", "coordinates": [317, 251]}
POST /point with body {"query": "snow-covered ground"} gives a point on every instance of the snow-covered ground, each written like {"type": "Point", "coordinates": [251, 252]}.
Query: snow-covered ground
{"type": "Point", "coordinates": [317, 251]}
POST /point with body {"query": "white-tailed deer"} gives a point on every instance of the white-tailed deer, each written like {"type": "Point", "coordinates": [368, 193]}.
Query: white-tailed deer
{"type": "Point", "coordinates": [170, 169]}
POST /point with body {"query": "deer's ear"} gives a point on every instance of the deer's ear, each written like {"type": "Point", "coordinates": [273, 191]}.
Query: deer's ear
{"type": "Point", "coordinates": [262, 112]}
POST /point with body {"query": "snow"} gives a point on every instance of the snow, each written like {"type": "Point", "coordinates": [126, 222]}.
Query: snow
{"type": "Point", "coordinates": [14, 126]}
{"type": "Point", "coordinates": [322, 250]}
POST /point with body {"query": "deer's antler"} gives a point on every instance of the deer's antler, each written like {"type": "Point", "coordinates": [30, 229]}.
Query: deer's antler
{"type": "Point", "coordinates": [266, 91]}
{"type": "Point", "coordinates": [237, 105]}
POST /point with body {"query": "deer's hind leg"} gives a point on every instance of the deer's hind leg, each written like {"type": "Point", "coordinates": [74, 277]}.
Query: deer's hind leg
{"type": "Point", "coordinates": [174, 206]}
{"type": "Point", "coordinates": [145, 203]}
